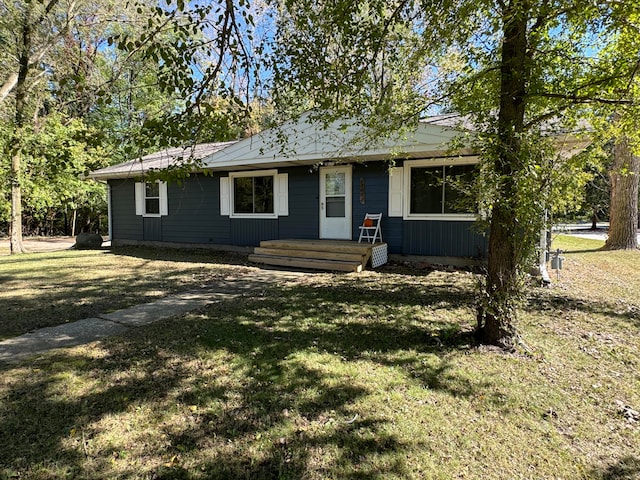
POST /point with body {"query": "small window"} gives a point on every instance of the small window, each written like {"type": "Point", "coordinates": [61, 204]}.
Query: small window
{"type": "Point", "coordinates": [152, 198]}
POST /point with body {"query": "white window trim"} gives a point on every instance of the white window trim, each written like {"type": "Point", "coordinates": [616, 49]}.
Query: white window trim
{"type": "Point", "coordinates": [435, 162]}
{"type": "Point", "coordinates": [140, 197]}
{"type": "Point", "coordinates": [253, 173]}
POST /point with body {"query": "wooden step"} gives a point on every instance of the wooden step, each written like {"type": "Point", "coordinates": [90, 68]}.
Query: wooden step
{"type": "Point", "coordinates": [338, 246]}
{"type": "Point", "coordinates": [323, 255]}
{"type": "Point", "coordinates": [310, 263]}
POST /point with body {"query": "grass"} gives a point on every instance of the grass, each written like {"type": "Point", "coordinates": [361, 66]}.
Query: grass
{"type": "Point", "coordinates": [346, 376]}
{"type": "Point", "coordinates": [46, 289]}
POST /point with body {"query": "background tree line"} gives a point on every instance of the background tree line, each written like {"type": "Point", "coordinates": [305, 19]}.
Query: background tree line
{"type": "Point", "coordinates": [81, 90]}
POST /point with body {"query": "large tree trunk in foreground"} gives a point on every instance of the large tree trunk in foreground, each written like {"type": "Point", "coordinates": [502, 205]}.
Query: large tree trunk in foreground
{"type": "Point", "coordinates": [497, 311]}
{"type": "Point", "coordinates": [623, 209]}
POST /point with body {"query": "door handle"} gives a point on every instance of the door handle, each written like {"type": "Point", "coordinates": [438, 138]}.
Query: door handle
{"type": "Point", "coordinates": [321, 205]}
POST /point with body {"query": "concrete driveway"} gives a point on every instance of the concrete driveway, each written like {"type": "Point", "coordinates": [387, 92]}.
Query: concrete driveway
{"type": "Point", "coordinates": [39, 244]}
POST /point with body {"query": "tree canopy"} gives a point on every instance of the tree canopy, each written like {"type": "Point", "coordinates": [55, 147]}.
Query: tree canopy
{"type": "Point", "coordinates": [521, 71]}
{"type": "Point", "coordinates": [523, 74]}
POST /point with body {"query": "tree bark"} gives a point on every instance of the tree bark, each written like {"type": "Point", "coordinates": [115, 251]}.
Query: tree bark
{"type": "Point", "coordinates": [16, 141]}
{"type": "Point", "coordinates": [497, 311]}
{"type": "Point", "coordinates": [8, 85]}
{"type": "Point", "coordinates": [623, 208]}
{"type": "Point", "coordinates": [15, 238]}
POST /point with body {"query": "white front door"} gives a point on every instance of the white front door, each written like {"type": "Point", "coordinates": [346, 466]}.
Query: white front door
{"type": "Point", "coordinates": [335, 202]}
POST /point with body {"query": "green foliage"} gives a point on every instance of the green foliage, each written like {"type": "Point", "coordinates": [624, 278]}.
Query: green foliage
{"type": "Point", "coordinates": [519, 73]}
{"type": "Point", "coordinates": [204, 56]}
{"type": "Point", "coordinates": [56, 157]}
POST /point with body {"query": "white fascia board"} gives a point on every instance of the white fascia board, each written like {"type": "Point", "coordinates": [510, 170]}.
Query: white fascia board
{"type": "Point", "coordinates": [264, 151]}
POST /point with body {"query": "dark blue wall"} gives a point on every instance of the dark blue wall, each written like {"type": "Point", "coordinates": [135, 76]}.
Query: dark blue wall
{"type": "Point", "coordinates": [370, 195]}
{"type": "Point", "coordinates": [194, 212]}
{"type": "Point", "coordinates": [443, 238]}
{"type": "Point", "coordinates": [304, 205]}
{"type": "Point", "coordinates": [125, 223]}
{"type": "Point", "coordinates": [194, 216]}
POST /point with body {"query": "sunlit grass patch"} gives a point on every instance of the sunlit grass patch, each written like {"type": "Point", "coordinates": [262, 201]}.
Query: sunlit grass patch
{"type": "Point", "coordinates": [345, 376]}
{"type": "Point", "coordinates": [53, 288]}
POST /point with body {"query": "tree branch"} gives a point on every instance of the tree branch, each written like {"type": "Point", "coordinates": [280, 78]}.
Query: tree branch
{"type": "Point", "coordinates": [584, 99]}
{"type": "Point", "coordinates": [8, 85]}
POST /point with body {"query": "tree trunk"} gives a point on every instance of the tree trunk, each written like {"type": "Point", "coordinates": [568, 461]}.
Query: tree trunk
{"type": "Point", "coordinates": [497, 310]}
{"type": "Point", "coordinates": [73, 222]}
{"type": "Point", "coordinates": [15, 238]}
{"type": "Point", "coordinates": [8, 85]}
{"type": "Point", "coordinates": [16, 143]}
{"type": "Point", "coordinates": [623, 208]}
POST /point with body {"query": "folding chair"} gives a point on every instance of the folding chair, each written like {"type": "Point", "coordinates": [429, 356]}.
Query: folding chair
{"type": "Point", "coordinates": [370, 228]}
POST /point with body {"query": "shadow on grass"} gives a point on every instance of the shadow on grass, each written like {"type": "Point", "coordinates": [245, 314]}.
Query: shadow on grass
{"type": "Point", "coordinates": [199, 255]}
{"type": "Point", "coordinates": [273, 382]}
{"type": "Point", "coordinates": [543, 301]}
{"type": "Point", "coordinates": [588, 250]}
{"type": "Point", "coordinates": [627, 468]}
{"type": "Point", "coordinates": [57, 288]}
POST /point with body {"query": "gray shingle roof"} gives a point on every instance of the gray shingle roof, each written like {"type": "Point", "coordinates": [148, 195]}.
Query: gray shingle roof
{"type": "Point", "coordinates": [159, 160]}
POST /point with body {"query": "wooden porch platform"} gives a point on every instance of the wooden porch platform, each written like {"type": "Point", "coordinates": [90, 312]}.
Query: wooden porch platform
{"type": "Point", "coordinates": [332, 255]}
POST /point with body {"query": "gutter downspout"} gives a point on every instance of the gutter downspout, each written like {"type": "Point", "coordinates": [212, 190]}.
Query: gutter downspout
{"type": "Point", "coordinates": [109, 217]}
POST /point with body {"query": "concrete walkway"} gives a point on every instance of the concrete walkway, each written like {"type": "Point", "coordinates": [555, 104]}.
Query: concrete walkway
{"type": "Point", "coordinates": [40, 341]}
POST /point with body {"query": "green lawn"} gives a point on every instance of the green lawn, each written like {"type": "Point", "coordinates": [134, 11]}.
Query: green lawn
{"type": "Point", "coordinates": [51, 288]}
{"type": "Point", "coordinates": [346, 376]}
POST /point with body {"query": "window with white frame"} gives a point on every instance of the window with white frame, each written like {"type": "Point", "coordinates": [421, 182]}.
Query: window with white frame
{"type": "Point", "coordinates": [151, 199]}
{"type": "Point", "coordinates": [257, 194]}
{"type": "Point", "coordinates": [433, 189]}
{"type": "Point", "coordinates": [253, 195]}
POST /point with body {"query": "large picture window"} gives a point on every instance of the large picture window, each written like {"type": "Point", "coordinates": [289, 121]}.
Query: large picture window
{"type": "Point", "coordinates": [253, 194]}
{"type": "Point", "coordinates": [439, 191]}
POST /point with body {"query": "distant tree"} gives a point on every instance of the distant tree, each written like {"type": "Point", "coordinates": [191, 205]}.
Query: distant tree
{"type": "Point", "coordinates": [597, 194]}
{"type": "Point", "coordinates": [623, 211]}
{"type": "Point", "coordinates": [58, 154]}
{"type": "Point", "coordinates": [56, 58]}
{"type": "Point", "coordinates": [32, 30]}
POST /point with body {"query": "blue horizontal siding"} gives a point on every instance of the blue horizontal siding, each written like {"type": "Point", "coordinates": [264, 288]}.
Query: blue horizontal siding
{"type": "Point", "coordinates": [443, 238]}
{"type": "Point", "coordinates": [125, 224]}
{"type": "Point", "coordinates": [370, 194]}
{"type": "Point", "coordinates": [303, 220]}
{"type": "Point", "coordinates": [194, 216]}
{"type": "Point", "coordinates": [194, 212]}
